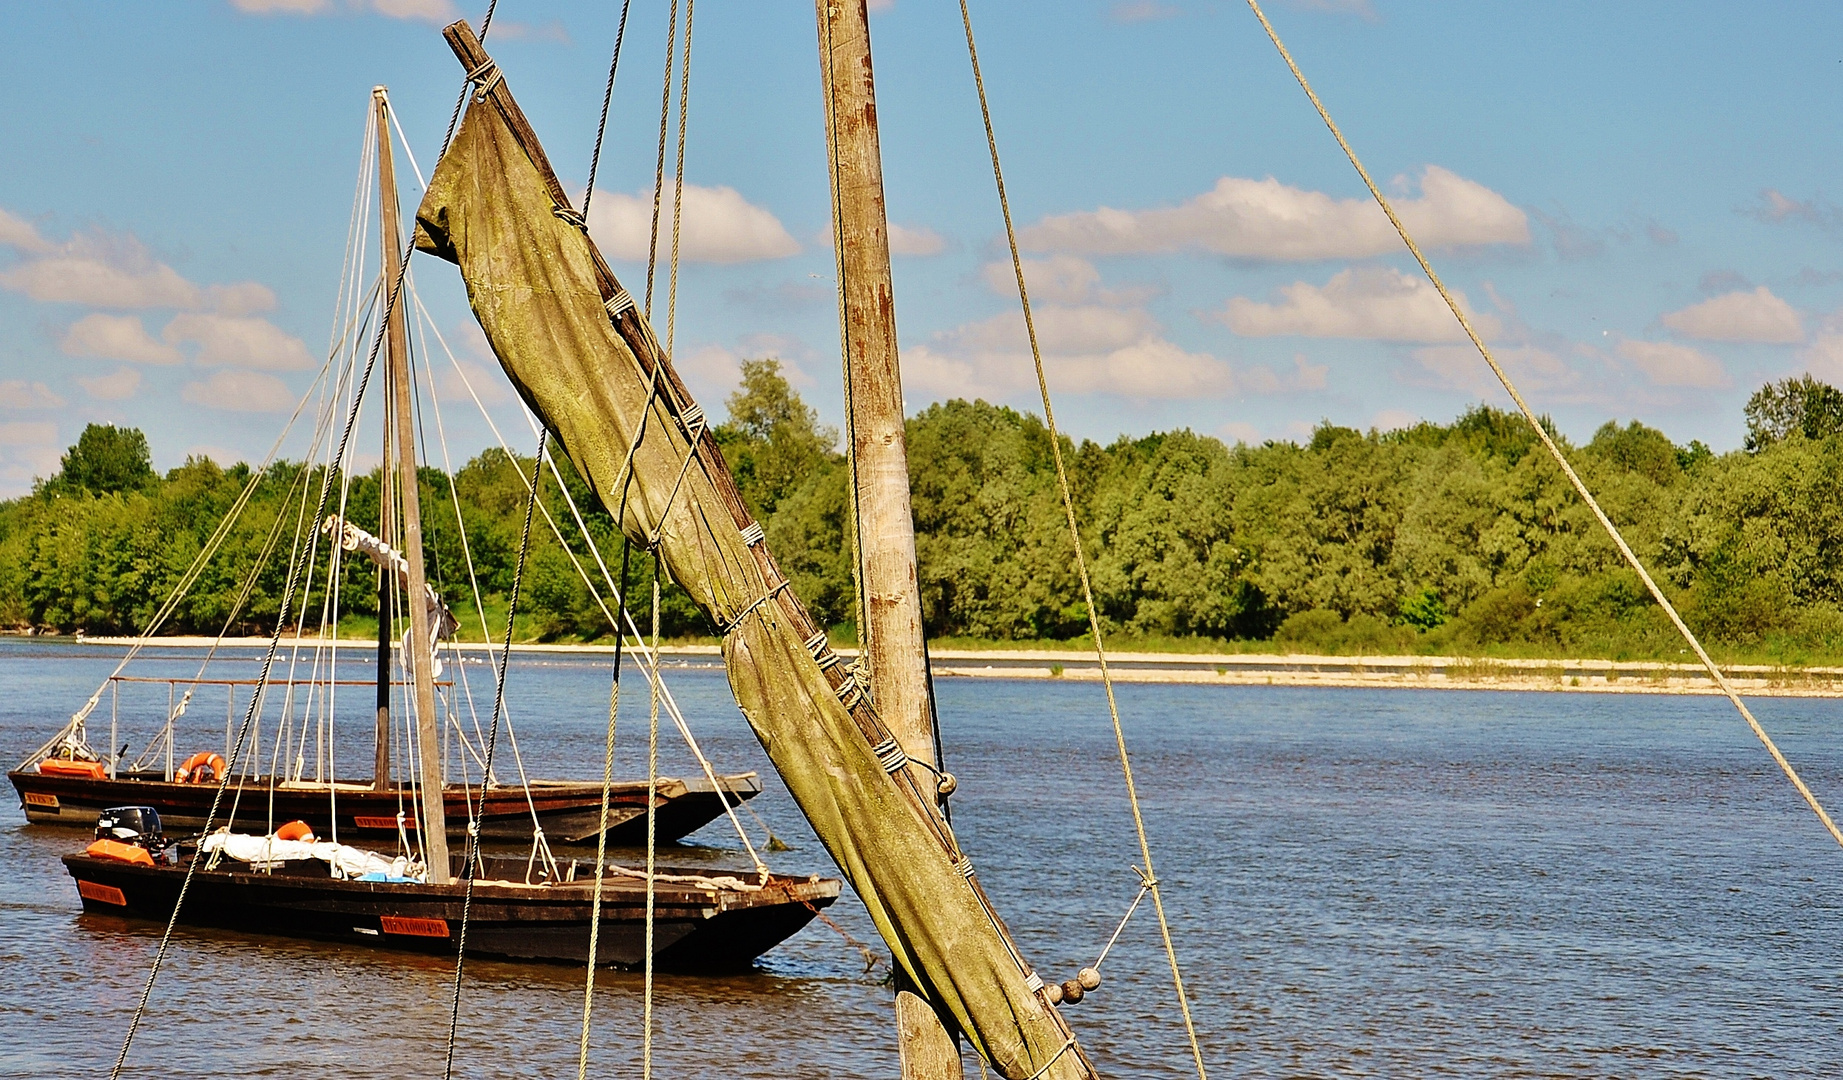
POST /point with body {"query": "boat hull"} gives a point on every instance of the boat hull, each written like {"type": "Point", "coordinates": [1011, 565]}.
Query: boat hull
{"type": "Point", "coordinates": [696, 928]}
{"type": "Point", "coordinates": [566, 810]}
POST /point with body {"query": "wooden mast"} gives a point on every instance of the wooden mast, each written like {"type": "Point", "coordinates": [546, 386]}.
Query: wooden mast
{"type": "Point", "coordinates": [416, 651]}
{"type": "Point", "coordinates": [892, 630]}
{"type": "Point", "coordinates": [387, 581]}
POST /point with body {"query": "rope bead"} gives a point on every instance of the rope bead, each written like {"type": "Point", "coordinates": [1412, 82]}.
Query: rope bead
{"type": "Point", "coordinates": [1089, 978]}
{"type": "Point", "coordinates": [1054, 993]}
{"type": "Point", "coordinates": [1072, 992]}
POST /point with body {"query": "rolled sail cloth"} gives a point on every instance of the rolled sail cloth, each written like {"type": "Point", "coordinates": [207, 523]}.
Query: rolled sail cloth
{"type": "Point", "coordinates": [345, 861]}
{"type": "Point", "coordinates": [442, 623]}
{"type": "Point", "coordinates": [586, 361]}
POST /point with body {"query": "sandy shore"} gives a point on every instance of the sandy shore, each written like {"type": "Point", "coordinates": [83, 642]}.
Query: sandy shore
{"type": "Point", "coordinates": [1254, 669]}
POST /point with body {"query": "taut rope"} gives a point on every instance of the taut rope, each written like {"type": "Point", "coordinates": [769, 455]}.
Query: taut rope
{"type": "Point", "coordinates": [1081, 558]}
{"type": "Point", "coordinates": [1548, 442]}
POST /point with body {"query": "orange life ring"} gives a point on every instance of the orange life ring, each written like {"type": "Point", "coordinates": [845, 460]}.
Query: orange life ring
{"type": "Point", "coordinates": [204, 767]}
{"type": "Point", "coordinates": [295, 830]}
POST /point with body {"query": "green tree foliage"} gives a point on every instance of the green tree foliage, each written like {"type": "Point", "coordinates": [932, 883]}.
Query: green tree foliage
{"type": "Point", "coordinates": [1794, 406]}
{"type": "Point", "coordinates": [106, 459]}
{"type": "Point", "coordinates": [1456, 536]}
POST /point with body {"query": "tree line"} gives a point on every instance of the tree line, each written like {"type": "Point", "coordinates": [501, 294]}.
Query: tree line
{"type": "Point", "coordinates": [1434, 538]}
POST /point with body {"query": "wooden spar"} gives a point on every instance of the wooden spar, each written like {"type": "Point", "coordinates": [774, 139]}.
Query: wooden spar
{"type": "Point", "coordinates": [380, 770]}
{"type": "Point", "coordinates": [416, 650]}
{"type": "Point", "coordinates": [892, 630]}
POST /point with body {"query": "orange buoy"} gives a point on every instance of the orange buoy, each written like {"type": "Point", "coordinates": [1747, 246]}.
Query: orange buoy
{"type": "Point", "coordinates": [295, 830]}
{"type": "Point", "coordinates": [204, 767]}
{"type": "Point", "coordinates": [120, 852]}
{"type": "Point", "coordinates": [89, 770]}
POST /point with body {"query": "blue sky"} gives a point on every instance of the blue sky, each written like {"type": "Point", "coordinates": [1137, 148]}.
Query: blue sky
{"type": "Point", "coordinates": [1636, 200]}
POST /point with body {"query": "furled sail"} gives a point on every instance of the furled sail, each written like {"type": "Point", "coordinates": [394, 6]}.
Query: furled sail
{"type": "Point", "coordinates": [586, 361]}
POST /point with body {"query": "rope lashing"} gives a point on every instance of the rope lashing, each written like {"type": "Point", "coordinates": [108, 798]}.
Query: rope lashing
{"type": "Point", "coordinates": [965, 868]}
{"type": "Point", "coordinates": [1548, 442]}
{"type": "Point", "coordinates": [1067, 1045]}
{"type": "Point", "coordinates": [750, 610]}
{"type": "Point", "coordinates": [485, 77]}
{"type": "Point", "coordinates": [890, 755]}
{"type": "Point", "coordinates": [753, 534]}
{"type": "Point", "coordinates": [817, 644]}
{"type": "Point", "coordinates": [1081, 557]}
{"type": "Point", "coordinates": [1089, 978]}
{"type": "Point", "coordinates": [571, 216]}
{"type": "Point", "coordinates": [619, 304]}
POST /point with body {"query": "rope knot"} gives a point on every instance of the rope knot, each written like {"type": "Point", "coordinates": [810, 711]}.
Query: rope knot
{"type": "Point", "coordinates": [571, 216]}
{"type": "Point", "coordinates": [487, 76]}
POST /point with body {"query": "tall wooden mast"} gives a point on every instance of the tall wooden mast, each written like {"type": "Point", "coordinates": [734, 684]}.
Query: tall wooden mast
{"type": "Point", "coordinates": [892, 619]}
{"type": "Point", "coordinates": [416, 651]}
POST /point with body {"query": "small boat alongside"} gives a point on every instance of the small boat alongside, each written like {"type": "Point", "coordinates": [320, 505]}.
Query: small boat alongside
{"type": "Point", "coordinates": [64, 792]}
{"type": "Point", "coordinates": [703, 921]}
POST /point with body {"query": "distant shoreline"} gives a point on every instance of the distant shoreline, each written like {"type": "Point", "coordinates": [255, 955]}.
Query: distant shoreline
{"type": "Point", "coordinates": [1254, 669]}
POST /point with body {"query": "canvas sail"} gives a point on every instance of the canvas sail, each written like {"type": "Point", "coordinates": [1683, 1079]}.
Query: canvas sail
{"type": "Point", "coordinates": [585, 360]}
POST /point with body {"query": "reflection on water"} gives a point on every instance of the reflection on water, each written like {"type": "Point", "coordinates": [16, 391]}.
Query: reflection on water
{"type": "Point", "coordinates": [1360, 883]}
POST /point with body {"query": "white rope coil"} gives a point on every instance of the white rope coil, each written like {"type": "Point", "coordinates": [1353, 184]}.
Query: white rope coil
{"type": "Point", "coordinates": [890, 755]}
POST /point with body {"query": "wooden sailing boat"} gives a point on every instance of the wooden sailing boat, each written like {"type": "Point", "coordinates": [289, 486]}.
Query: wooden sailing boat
{"type": "Point", "coordinates": [515, 908]}
{"type": "Point", "coordinates": [65, 782]}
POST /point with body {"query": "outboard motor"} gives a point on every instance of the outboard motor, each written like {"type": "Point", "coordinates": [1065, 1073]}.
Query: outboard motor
{"type": "Point", "coordinates": [137, 825]}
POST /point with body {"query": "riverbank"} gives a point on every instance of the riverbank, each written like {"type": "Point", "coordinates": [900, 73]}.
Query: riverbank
{"type": "Point", "coordinates": [1256, 669]}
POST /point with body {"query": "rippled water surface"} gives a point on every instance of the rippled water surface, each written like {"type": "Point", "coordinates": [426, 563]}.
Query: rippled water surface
{"type": "Point", "coordinates": [1360, 883]}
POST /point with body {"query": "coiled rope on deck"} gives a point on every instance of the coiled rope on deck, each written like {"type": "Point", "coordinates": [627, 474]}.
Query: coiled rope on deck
{"type": "Point", "coordinates": [1081, 559]}
{"type": "Point", "coordinates": [1548, 441]}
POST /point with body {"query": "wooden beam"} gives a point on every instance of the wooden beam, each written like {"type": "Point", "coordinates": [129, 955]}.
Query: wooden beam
{"type": "Point", "coordinates": [892, 630]}
{"type": "Point", "coordinates": [417, 650]}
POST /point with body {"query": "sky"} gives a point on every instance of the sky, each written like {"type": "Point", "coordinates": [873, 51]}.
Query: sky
{"type": "Point", "coordinates": [1635, 201]}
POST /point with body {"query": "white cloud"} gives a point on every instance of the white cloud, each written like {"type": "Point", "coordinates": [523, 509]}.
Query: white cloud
{"type": "Point", "coordinates": [28, 433]}
{"type": "Point", "coordinates": [1666, 364]}
{"type": "Point", "coordinates": [116, 337]}
{"type": "Point", "coordinates": [240, 298]}
{"type": "Point", "coordinates": [488, 383]}
{"type": "Point", "coordinates": [1756, 316]}
{"type": "Point", "coordinates": [239, 341]}
{"type": "Point", "coordinates": [1531, 367]}
{"type": "Point", "coordinates": [1376, 303]}
{"type": "Point", "coordinates": [1393, 420]}
{"type": "Point", "coordinates": [240, 391]}
{"type": "Point", "coordinates": [20, 394]}
{"type": "Point", "coordinates": [718, 226]}
{"type": "Point", "coordinates": [1064, 279]}
{"type": "Point", "coordinates": [1823, 358]}
{"type": "Point", "coordinates": [429, 10]}
{"type": "Point", "coordinates": [104, 272]}
{"type": "Point", "coordinates": [120, 386]}
{"type": "Point", "coordinates": [1265, 219]}
{"type": "Point", "coordinates": [19, 233]}
{"type": "Point", "coordinates": [435, 11]}
{"type": "Point", "coordinates": [1087, 349]}
{"type": "Point", "coordinates": [1775, 207]}
{"type": "Point", "coordinates": [915, 240]}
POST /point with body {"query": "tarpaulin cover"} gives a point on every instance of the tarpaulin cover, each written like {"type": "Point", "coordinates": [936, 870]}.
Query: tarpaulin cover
{"type": "Point", "coordinates": [531, 277]}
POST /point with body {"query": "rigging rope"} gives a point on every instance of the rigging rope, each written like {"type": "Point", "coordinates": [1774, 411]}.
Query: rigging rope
{"type": "Point", "coordinates": [595, 157]}
{"type": "Point", "coordinates": [472, 857]}
{"type": "Point", "coordinates": [268, 663]}
{"type": "Point", "coordinates": [678, 181]}
{"type": "Point", "coordinates": [652, 816]}
{"type": "Point", "coordinates": [859, 601]}
{"type": "Point", "coordinates": [601, 839]}
{"type": "Point", "coordinates": [1081, 558]}
{"type": "Point", "coordinates": [659, 167]}
{"type": "Point", "coordinates": [1548, 441]}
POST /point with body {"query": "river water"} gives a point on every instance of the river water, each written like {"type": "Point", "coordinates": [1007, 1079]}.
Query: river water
{"type": "Point", "coordinates": [1360, 883]}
